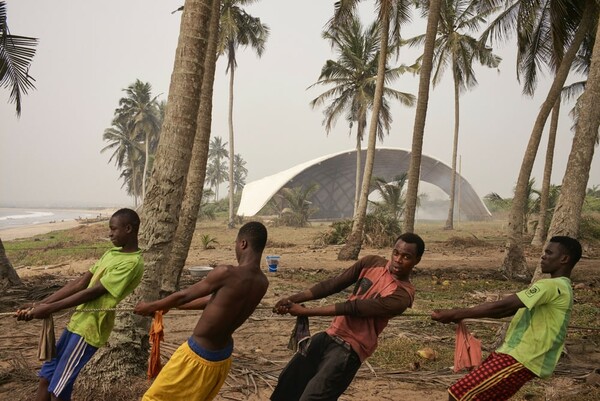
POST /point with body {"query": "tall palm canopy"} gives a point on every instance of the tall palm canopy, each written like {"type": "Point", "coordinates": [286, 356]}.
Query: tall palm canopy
{"type": "Point", "coordinates": [390, 15]}
{"type": "Point", "coordinates": [237, 28]}
{"type": "Point", "coordinates": [455, 48]}
{"type": "Point", "coordinates": [353, 77]}
{"type": "Point", "coordinates": [16, 53]}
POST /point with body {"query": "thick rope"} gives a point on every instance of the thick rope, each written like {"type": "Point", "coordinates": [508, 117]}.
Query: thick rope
{"type": "Point", "coordinates": [409, 315]}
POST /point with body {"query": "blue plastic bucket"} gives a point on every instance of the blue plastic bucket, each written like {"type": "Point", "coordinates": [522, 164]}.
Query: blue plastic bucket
{"type": "Point", "coordinates": [273, 261]}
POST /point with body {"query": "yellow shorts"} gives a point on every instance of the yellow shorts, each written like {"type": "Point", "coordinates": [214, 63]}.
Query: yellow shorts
{"type": "Point", "coordinates": [188, 377]}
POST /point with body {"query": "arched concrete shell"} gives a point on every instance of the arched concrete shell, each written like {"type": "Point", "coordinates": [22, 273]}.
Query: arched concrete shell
{"type": "Point", "coordinates": [335, 176]}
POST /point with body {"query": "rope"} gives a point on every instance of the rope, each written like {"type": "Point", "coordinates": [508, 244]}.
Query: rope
{"type": "Point", "coordinates": [412, 314]}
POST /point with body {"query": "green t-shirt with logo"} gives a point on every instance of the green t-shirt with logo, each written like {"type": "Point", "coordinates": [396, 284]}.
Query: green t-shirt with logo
{"type": "Point", "coordinates": [119, 272]}
{"type": "Point", "coordinates": [536, 334]}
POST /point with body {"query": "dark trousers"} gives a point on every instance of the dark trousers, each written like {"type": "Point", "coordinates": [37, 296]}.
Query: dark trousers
{"type": "Point", "coordinates": [322, 375]}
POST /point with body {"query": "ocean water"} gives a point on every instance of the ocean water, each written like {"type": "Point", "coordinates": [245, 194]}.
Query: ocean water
{"type": "Point", "coordinates": [14, 217]}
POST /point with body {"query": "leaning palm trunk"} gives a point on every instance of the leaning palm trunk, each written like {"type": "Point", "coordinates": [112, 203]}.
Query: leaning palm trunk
{"type": "Point", "coordinates": [357, 179]}
{"type": "Point", "coordinates": [359, 135]}
{"type": "Point", "coordinates": [450, 220]}
{"type": "Point", "coordinates": [414, 170]}
{"type": "Point", "coordinates": [128, 352]}
{"type": "Point", "coordinates": [567, 214]}
{"type": "Point", "coordinates": [146, 164]}
{"type": "Point", "coordinates": [230, 222]}
{"type": "Point", "coordinates": [353, 245]}
{"type": "Point", "coordinates": [8, 275]}
{"type": "Point", "coordinates": [197, 173]}
{"type": "Point", "coordinates": [540, 231]}
{"type": "Point", "coordinates": [515, 264]}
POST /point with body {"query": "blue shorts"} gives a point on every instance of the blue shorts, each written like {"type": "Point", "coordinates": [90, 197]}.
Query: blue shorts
{"type": "Point", "coordinates": [72, 353]}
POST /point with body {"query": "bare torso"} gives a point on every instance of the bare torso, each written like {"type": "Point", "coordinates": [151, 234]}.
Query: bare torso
{"type": "Point", "coordinates": [242, 289]}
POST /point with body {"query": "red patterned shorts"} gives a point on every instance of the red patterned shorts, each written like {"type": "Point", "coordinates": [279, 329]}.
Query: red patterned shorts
{"type": "Point", "coordinates": [498, 378]}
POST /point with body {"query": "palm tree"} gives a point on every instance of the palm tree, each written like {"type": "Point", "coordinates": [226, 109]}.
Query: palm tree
{"type": "Point", "coordinates": [127, 154]}
{"type": "Point", "coordinates": [195, 193]}
{"type": "Point", "coordinates": [216, 173]}
{"type": "Point", "coordinates": [391, 15]}
{"type": "Point", "coordinates": [297, 208]}
{"type": "Point", "coordinates": [454, 47]}
{"type": "Point", "coordinates": [542, 28]}
{"type": "Point", "coordinates": [217, 151]}
{"type": "Point", "coordinates": [163, 199]}
{"type": "Point", "coordinates": [139, 107]}
{"type": "Point", "coordinates": [414, 169]}
{"type": "Point", "coordinates": [240, 173]}
{"type": "Point", "coordinates": [567, 214]}
{"type": "Point", "coordinates": [237, 28]}
{"type": "Point", "coordinates": [16, 53]}
{"type": "Point", "coordinates": [353, 76]}
{"type": "Point", "coordinates": [392, 196]}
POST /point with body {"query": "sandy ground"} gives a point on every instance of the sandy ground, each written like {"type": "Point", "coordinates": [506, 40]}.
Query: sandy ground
{"type": "Point", "coordinates": [261, 343]}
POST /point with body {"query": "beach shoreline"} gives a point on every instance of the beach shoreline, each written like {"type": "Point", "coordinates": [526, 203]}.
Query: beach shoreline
{"type": "Point", "coordinates": [31, 230]}
{"type": "Point", "coordinates": [13, 233]}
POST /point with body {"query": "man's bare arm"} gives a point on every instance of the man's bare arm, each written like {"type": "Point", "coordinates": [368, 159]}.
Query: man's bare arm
{"type": "Point", "coordinates": [505, 307]}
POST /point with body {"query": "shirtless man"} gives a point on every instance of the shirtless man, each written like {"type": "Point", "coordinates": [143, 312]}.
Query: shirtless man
{"type": "Point", "coordinates": [228, 295]}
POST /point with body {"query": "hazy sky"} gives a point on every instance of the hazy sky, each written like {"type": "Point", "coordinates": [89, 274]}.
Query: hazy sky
{"type": "Point", "coordinates": [89, 51]}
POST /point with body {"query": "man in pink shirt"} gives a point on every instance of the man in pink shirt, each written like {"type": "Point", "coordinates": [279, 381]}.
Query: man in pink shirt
{"type": "Point", "coordinates": [382, 290]}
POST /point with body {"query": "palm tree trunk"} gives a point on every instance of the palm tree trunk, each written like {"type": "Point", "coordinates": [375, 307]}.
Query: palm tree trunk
{"type": "Point", "coordinates": [230, 223]}
{"type": "Point", "coordinates": [515, 264]}
{"type": "Point", "coordinates": [450, 219]}
{"type": "Point", "coordinates": [567, 213]}
{"type": "Point", "coordinates": [128, 352]}
{"type": "Point", "coordinates": [540, 231]}
{"type": "Point", "coordinates": [353, 245]}
{"type": "Point", "coordinates": [359, 135]}
{"type": "Point", "coordinates": [146, 163]}
{"type": "Point", "coordinates": [8, 275]}
{"type": "Point", "coordinates": [197, 173]}
{"type": "Point", "coordinates": [414, 170]}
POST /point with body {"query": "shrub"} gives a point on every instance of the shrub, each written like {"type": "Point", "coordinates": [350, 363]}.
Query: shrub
{"type": "Point", "coordinates": [590, 226]}
{"type": "Point", "coordinates": [380, 231]}
{"type": "Point", "coordinates": [208, 241]}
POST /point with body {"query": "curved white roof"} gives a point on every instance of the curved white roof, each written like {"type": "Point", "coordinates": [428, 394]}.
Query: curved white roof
{"type": "Point", "coordinates": [335, 176]}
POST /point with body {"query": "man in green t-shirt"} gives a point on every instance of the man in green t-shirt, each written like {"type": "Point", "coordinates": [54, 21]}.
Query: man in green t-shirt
{"type": "Point", "coordinates": [536, 335]}
{"type": "Point", "coordinates": [111, 279]}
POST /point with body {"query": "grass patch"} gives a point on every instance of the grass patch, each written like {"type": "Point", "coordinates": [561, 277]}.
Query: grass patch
{"type": "Point", "coordinates": [59, 246]}
{"type": "Point", "coordinates": [400, 353]}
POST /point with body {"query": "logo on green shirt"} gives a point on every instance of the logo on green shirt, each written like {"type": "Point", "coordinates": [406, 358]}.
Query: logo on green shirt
{"type": "Point", "coordinates": [532, 291]}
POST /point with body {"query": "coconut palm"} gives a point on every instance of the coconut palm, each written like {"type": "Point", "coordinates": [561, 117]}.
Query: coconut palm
{"type": "Point", "coordinates": [16, 53]}
{"type": "Point", "coordinates": [237, 29]}
{"type": "Point", "coordinates": [141, 108]}
{"type": "Point", "coordinates": [127, 154]}
{"type": "Point", "coordinates": [353, 76]}
{"type": "Point", "coordinates": [162, 203]}
{"type": "Point", "coordinates": [541, 28]}
{"type": "Point", "coordinates": [296, 205]}
{"type": "Point", "coordinates": [216, 174]}
{"type": "Point", "coordinates": [195, 192]}
{"type": "Point", "coordinates": [455, 48]}
{"type": "Point", "coordinates": [240, 173]}
{"type": "Point", "coordinates": [392, 196]}
{"type": "Point", "coordinates": [414, 168]}
{"type": "Point", "coordinates": [216, 168]}
{"type": "Point", "coordinates": [567, 214]}
{"type": "Point", "coordinates": [391, 15]}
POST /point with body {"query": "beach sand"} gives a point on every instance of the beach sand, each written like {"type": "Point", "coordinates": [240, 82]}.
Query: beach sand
{"type": "Point", "coordinates": [12, 233]}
